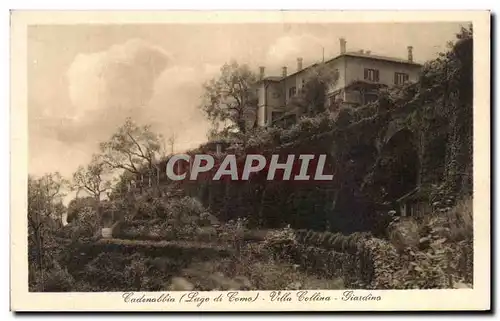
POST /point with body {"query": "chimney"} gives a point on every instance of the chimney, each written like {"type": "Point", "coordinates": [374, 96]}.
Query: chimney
{"type": "Point", "coordinates": [299, 63]}
{"type": "Point", "coordinates": [410, 53]}
{"type": "Point", "coordinates": [284, 72]}
{"type": "Point", "coordinates": [342, 45]}
{"type": "Point", "coordinates": [261, 73]}
{"type": "Point", "coordinates": [368, 52]}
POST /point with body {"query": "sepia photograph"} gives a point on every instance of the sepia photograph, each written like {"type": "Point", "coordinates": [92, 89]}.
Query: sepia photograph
{"type": "Point", "coordinates": [292, 161]}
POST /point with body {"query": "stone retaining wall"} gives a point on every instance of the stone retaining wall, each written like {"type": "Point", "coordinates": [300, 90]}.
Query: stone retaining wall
{"type": "Point", "coordinates": [366, 262]}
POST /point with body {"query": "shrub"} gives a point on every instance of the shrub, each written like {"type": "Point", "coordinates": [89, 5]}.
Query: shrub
{"type": "Point", "coordinates": [206, 234]}
{"type": "Point", "coordinates": [404, 233]}
{"type": "Point", "coordinates": [457, 223]}
{"type": "Point", "coordinates": [187, 206]}
{"type": "Point", "coordinates": [55, 279]}
{"type": "Point", "coordinates": [135, 271]}
{"type": "Point", "coordinates": [443, 259]}
{"type": "Point", "coordinates": [286, 234]}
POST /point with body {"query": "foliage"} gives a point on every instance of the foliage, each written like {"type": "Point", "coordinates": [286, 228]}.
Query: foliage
{"type": "Point", "coordinates": [132, 147]}
{"type": "Point", "coordinates": [434, 253]}
{"type": "Point", "coordinates": [285, 235]}
{"type": "Point", "coordinates": [186, 207]}
{"type": "Point", "coordinates": [44, 195]}
{"type": "Point", "coordinates": [254, 269]}
{"type": "Point", "coordinates": [437, 112]}
{"type": "Point", "coordinates": [454, 223]}
{"type": "Point", "coordinates": [311, 100]}
{"type": "Point", "coordinates": [175, 218]}
{"type": "Point", "coordinates": [87, 223]}
{"type": "Point", "coordinates": [404, 233]}
{"type": "Point", "coordinates": [231, 98]}
{"type": "Point", "coordinates": [165, 270]}
{"type": "Point", "coordinates": [371, 171]}
{"type": "Point", "coordinates": [55, 279]}
{"type": "Point", "coordinates": [91, 178]}
{"type": "Point", "coordinates": [78, 208]}
{"type": "Point", "coordinates": [45, 211]}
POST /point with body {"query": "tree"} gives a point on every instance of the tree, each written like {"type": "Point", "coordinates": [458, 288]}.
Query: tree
{"type": "Point", "coordinates": [311, 98]}
{"type": "Point", "coordinates": [45, 211]}
{"type": "Point", "coordinates": [91, 178]}
{"type": "Point", "coordinates": [44, 195]}
{"type": "Point", "coordinates": [232, 97]}
{"type": "Point", "coordinates": [78, 205]}
{"type": "Point", "coordinates": [171, 142]}
{"type": "Point", "coordinates": [133, 148]}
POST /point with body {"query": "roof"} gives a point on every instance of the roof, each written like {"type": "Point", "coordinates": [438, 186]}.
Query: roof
{"type": "Point", "coordinates": [385, 58]}
{"type": "Point", "coordinates": [272, 78]}
{"type": "Point", "coordinates": [347, 54]}
{"type": "Point", "coordinates": [417, 193]}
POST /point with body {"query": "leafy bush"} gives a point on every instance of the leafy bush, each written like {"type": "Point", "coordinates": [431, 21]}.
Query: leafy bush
{"type": "Point", "coordinates": [206, 234]}
{"type": "Point", "coordinates": [55, 279]}
{"type": "Point", "coordinates": [404, 233]}
{"type": "Point", "coordinates": [168, 220]}
{"type": "Point", "coordinates": [455, 224]}
{"type": "Point", "coordinates": [285, 235]}
{"type": "Point", "coordinates": [438, 253]}
{"type": "Point", "coordinates": [145, 209]}
{"type": "Point", "coordinates": [186, 206]}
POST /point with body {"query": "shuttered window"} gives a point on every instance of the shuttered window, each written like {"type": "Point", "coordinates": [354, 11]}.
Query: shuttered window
{"type": "Point", "coordinates": [372, 75]}
{"type": "Point", "coordinates": [400, 78]}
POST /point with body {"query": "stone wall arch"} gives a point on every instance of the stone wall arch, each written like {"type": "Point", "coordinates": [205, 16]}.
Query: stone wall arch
{"type": "Point", "coordinates": [398, 166]}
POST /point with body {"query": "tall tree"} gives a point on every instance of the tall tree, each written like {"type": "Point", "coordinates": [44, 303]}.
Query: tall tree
{"type": "Point", "coordinates": [231, 97]}
{"type": "Point", "coordinates": [311, 98]}
{"type": "Point", "coordinates": [44, 210]}
{"type": "Point", "coordinates": [133, 148]}
{"type": "Point", "coordinates": [91, 178]}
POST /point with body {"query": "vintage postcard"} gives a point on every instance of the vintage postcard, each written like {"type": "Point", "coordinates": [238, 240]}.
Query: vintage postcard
{"type": "Point", "coordinates": [250, 161]}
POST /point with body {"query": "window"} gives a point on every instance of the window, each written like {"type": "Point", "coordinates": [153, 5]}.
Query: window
{"type": "Point", "coordinates": [400, 78]}
{"type": "Point", "coordinates": [292, 91]}
{"type": "Point", "coordinates": [372, 74]}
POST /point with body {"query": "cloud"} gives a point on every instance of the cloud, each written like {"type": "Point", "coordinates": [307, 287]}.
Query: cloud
{"type": "Point", "coordinates": [120, 79]}
{"type": "Point", "coordinates": [133, 79]}
{"type": "Point", "coordinates": [103, 88]}
{"type": "Point", "coordinates": [173, 109]}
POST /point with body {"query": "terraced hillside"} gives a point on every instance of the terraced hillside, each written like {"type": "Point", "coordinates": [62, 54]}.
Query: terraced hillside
{"type": "Point", "coordinates": [147, 265]}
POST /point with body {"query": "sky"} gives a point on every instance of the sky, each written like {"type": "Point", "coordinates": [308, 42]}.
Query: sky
{"type": "Point", "coordinates": [84, 80]}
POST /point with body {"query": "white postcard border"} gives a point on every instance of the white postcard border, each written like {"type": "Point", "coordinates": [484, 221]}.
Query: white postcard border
{"type": "Point", "coordinates": [392, 300]}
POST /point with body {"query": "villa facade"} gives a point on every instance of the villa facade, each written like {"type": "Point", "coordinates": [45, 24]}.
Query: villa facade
{"type": "Point", "coordinates": [357, 78]}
